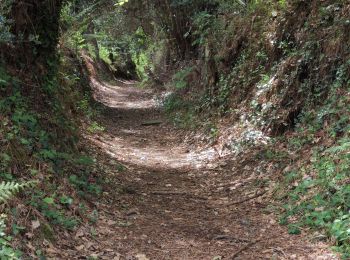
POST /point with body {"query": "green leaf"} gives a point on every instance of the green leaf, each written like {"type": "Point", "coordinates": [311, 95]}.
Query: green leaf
{"type": "Point", "coordinates": [294, 230]}
{"type": "Point", "coordinates": [66, 200]}
{"type": "Point", "coordinates": [49, 200]}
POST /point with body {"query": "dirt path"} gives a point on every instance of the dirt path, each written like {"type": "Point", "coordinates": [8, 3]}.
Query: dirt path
{"type": "Point", "coordinates": [174, 203]}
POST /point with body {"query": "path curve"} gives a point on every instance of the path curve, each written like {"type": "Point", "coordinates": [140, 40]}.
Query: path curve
{"type": "Point", "coordinates": [170, 203]}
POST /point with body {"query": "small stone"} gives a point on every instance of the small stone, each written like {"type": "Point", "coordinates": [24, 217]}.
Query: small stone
{"type": "Point", "coordinates": [35, 224]}
{"type": "Point", "coordinates": [287, 169]}
{"type": "Point", "coordinates": [223, 164]}
{"type": "Point", "coordinates": [141, 257]}
{"type": "Point", "coordinates": [247, 168]}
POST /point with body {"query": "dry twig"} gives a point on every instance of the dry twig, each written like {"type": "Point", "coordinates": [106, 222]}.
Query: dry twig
{"type": "Point", "coordinates": [245, 248]}
{"type": "Point", "coordinates": [259, 194]}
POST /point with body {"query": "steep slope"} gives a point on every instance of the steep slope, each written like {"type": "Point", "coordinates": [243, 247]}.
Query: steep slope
{"type": "Point", "coordinates": [276, 77]}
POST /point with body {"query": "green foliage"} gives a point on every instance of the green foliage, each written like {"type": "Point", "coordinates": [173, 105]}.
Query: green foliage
{"type": "Point", "coordinates": [84, 185]}
{"type": "Point", "coordinates": [186, 29]}
{"type": "Point", "coordinates": [322, 199]}
{"type": "Point", "coordinates": [122, 2]}
{"type": "Point", "coordinates": [211, 130]}
{"type": "Point", "coordinates": [321, 190]}
{"type": "Point", "coordinates": [180, 112]}
{"type": "Point", "coordinates": [104, 54]}
{"type": "Point", "coordinates": [203, 22]}
{"type": "Point", "coordinates": [180, 78]}
{"type": "Point", "coordinates": [262, 6]}
{"type": "Point", "coordinates": [5, 35]}
{"type": "Point", "coordinates": [95, 128]}
{"type": "Point", "coordinates": [41, 104]}
{"type": "Point", "coordinates": [173, 102]}
{"type": "Point", "coordinates": [67, 16]}
{"type": "Point", "coordinates": [6, 251]}
{"type": "Point", "coordinates": [23, 125]}
{"type": "Point", "coordinates": [8, 189]}
{"type": "Point", "coordinates": [140, 49]}
{"type": "Point", "coordinates": [40, 129]}
{"type": "Point", "coordinates": [51, 208]}
{"type": "Point", "coordinates": [223, 95]}
{"type": "Point", "coordinates": [125, 48]}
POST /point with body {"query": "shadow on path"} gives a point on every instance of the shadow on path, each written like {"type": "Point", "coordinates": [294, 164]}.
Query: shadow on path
{"type": "Point", "coordinates": [169, 204]}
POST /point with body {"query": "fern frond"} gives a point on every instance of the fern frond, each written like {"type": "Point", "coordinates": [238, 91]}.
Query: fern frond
{"type": "Point", "coordinates": [9, 189]}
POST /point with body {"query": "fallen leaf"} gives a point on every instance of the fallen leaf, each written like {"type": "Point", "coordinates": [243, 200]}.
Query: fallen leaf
{"type": "Point", "coordinates": [35, 224]}
{"type": "Point", "coordinates": [117, 257]}
{"type": "Point", "coordinates": [29, 235]}
{"type": "Point", "coordinates": [141, 257]}
{"type": "Point", "coordinates": [30, 246]}
{"type": "Point", "coordinates": [80, 248]}
{"type": "Point", "coordinates": [111, 222]}
{"type": "Point", "coordinates": [80, 233]}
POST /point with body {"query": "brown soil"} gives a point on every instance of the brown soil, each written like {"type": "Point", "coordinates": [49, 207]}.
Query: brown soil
{"type": "Point", "coordinates": [173, 202]}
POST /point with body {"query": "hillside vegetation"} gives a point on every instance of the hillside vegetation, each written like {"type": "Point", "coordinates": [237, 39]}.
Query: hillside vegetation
{"type": "Point", "coordinates": [270, 79]}
{"type": "Point", "coordinates": [276, 74]}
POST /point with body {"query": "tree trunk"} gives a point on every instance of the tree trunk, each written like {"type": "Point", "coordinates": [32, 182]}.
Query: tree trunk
{"type": "Point", "coordinates": [36, 30]}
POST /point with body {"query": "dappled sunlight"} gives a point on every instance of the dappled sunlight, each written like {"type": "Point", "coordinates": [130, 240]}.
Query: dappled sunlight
{"type": "Point", "coordinates": [195, 194]}
{"type": "Point", "coordinates": [136, 153]}
{"type": "Point", "coordinates": [124, 95]}
{"type": "Point", "coordinates": [137, 144]}
{"type": "Point", "coordinates": [182, 129]}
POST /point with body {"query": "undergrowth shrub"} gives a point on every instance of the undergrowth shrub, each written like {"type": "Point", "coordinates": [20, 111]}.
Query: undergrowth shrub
{"type": "Point", "coordinates": [180, 112]}
{"type": "Point", "coordinates": [180, 78]}
{"type": "Point", "coordinates": [39, 140]}
{"type": "Point", "coordinates": [51, 208]}
{"type": "Point", "coordinates": [320, 193]}
{"type": "Point", "coordinates": [8, 189]}
{"type": "Point", "coordinates": [6, 250]}
{"type": "Point", "coordinates": [268, 57]}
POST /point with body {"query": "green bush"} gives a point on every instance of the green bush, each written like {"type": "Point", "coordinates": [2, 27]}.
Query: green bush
{"type": "Point", "coordinates": [322, 198]}
{"type": "Point", "coordinates": [180, 78]}
{"type": "Point", "coordinates": [6, 251]}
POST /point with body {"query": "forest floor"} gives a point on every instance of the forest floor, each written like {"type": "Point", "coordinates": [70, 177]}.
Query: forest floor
{"type": "Point", "coordinates": [171, 201]}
